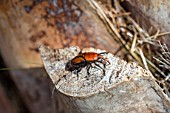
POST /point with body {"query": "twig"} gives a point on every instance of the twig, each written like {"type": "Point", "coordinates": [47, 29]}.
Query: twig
{"type": "Point", "coordinates": [156, 68]}
{"type": "Point", "coordinates": [121, 14]}
{"type": "Point", "coordinates": [137, 30]}
{"type": "Point", "coordinates": [143, 59]}
{"type": "Point", "coordinates": [134, 42]}
{"type": "Point", "coordinates": [140, 30]}
{"type": "Point", "coordinates": [161, 34]}
{"type": "Point", "coordinates": [112, 28]}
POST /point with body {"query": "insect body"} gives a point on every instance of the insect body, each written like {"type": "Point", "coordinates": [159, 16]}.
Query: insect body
{"type": "Point", "coordinates": [85, 60]}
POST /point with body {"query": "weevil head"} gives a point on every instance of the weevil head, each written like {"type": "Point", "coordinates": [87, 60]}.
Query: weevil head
{"type": "Point", "coordinates": [69, 66]}
{"type": "Point", "coordinates": [72, 66]}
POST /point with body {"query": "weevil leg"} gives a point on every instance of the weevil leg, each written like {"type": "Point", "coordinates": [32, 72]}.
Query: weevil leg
{"type": "Point", "coordinates": [104, 65]}
{"type": "Point", "coordinates": [104, 60]}
{"type": "Point", "coordinates": [88, 68]}
{"type": "Point", "coordinates": [100, 67]}
{"type": "Point", "coordinates": [65, 77]}
{"type": "Point", "coordinates": [88, 73]}
{"type": "Point", "coordinates": [77, 72]}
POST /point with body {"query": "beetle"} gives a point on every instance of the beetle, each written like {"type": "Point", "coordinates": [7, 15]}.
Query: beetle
{"type": "Point", "coordinates": [85, 60]}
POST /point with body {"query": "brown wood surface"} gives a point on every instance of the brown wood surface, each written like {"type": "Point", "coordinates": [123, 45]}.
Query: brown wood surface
{"type": "Point", "coordinates": [24, 24]}
{"type": "Point", "coordinates": [5, 104]}
{"type": "Point", "coordinates": [125, 87]}
{"type": "Point", "coordinates": [151, 16]}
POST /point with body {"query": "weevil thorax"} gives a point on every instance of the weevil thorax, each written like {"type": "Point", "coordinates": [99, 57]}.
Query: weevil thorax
{"type": "Point", "coordinates": [91, 56]}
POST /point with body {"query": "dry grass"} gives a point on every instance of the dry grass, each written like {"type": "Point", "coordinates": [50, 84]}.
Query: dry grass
{"type": "Point", "coordinates": [136, 41]}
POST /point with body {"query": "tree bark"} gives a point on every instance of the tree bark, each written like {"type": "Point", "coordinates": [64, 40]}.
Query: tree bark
{"type": "Point", "coordinates": [5, 105]}
{"type": "Point", "coordinates": [125, 87]}
{"type": "Point", "coordinates": [25, 24]}
{"type": "Point", "coordinates": [154, 15]}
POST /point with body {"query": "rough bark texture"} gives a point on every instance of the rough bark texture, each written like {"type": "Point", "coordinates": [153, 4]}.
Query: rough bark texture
{"type": "Point", "coordinates": [5, 105]}
{"type": "Point", "coordinates": [26, 23]}
{"type": "Point", "coordinates": [125, 87]}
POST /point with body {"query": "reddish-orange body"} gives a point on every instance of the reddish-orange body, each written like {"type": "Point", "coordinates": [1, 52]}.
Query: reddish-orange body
{"type": "Point", "coordinates": [86, 59]}
{"type": "Point", "coordinates": [89, 57]}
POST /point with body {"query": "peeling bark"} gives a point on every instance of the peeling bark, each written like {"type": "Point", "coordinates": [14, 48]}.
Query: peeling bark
{"type": "Point", "coordinates": [125, 87]}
